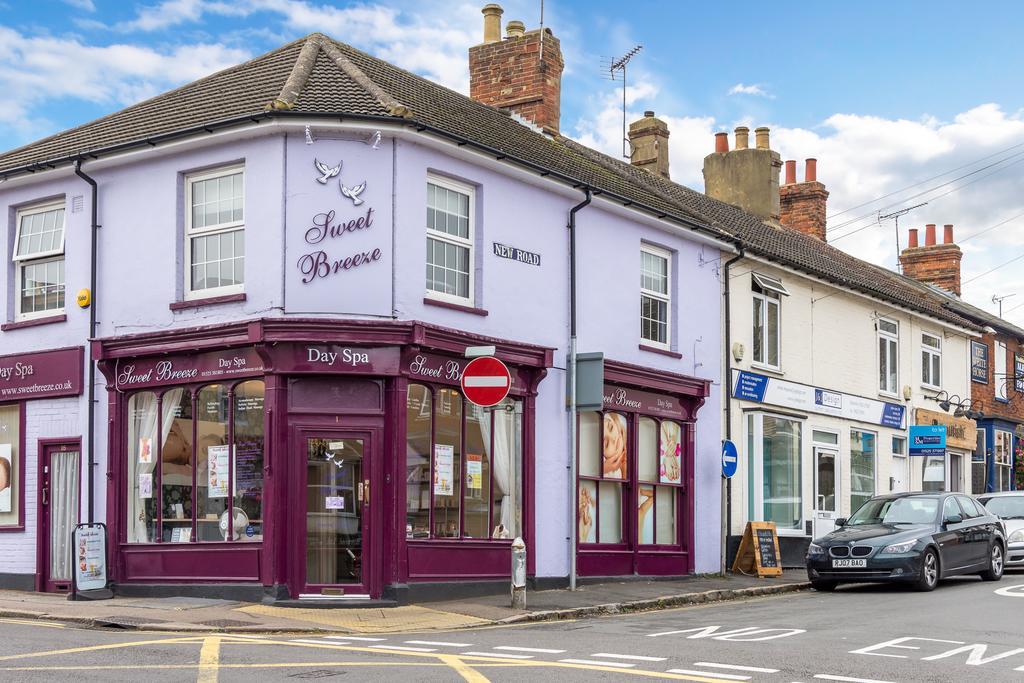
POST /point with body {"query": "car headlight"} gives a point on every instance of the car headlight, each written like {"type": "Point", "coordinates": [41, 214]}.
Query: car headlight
{"type": "Point", "coordinates": [897, 548]}
{"type": "Point", "coordinates": [815, 549]}
{"type": "Point", "coordinates": [1017, 536]}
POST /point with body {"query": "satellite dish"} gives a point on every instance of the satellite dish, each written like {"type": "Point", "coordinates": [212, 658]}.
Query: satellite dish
{"type": "Point", "coordinates": [239, 523]}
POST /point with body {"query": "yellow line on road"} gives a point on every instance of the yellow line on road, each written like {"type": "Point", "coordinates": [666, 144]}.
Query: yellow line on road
{"type": "Point", "coordinates": [267, 665]}
{"type": "Point", "coordinates": [465, 670]}
{"type": "Point", "coordinates": [209, 660]}
{"type": "Point", "coordinates": [32, 622]}
{"type": "Point", "coordinates": [96, 648]}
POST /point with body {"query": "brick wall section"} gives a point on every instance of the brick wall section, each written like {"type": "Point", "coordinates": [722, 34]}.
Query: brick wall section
{"type": "Point", "coordinates": [509, 74]}
{"type": "Point", "coordinates": [938, 264]}
{"type": "Point", "coordinates": [802, 207]}
{"type": "Point", "coordinates": [985, 394]}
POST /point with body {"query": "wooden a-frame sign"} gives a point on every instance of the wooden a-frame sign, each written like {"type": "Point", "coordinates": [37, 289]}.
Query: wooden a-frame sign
{"type": "Point", "coordinates": [759, 550]}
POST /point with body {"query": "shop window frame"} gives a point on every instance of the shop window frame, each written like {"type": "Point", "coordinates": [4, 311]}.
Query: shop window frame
{"type": "Point", "coordinates": [18, 462]}
{"type": "Point", "coordinates": [874, 467]}
{"type": "Point", "coordinates": [755, 475]}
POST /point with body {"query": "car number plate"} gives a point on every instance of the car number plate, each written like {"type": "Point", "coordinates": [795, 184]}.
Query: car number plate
{"type": "Point", "coordinates": [844, 564]}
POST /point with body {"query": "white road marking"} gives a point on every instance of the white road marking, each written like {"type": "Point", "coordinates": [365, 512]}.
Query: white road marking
{"type": "Point", "coordinates": [737, 667]}
{"type": "Point", "coordinates": [594, 662]}
{"type": "Point", "coordinates": [847, 679]}
{"type": "Point", "coordinates": [1011, 591]}
{"type": "Point", "coordinates": [439, 643]}
{"type": "Point", "coordinates": [715, 674]}
{"type": "Point", "coordinates": [317, 642]}
{"type": "Point", "coordinates": [529, 649]}
{"type": "Point", "coordinates": [639, 658]}
{"type": "Point", "coordinates": [497, 654]}
{"type": "Point", "coordinates": [368, 640]}
{"type": "Point", "coordinates": [404, 649]}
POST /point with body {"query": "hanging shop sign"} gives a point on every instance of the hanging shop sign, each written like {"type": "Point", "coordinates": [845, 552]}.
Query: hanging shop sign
{"type": "Point", "coordinates": [750, 386]}
{"type": "Point", "coordinates": [1018, 373]}
{"type": "Point", "coordinates": [979, 362]}
{"type": "Point", "coordinates": [638, 401]}
{"type": "Point", "coordinates": [46, 374]}
{"type": "Point", "coordinates": [200, 367]}
{"type": "Point", "coordinates": [516, 254]}
{"type": "Point", "coordinates": [961, 433]}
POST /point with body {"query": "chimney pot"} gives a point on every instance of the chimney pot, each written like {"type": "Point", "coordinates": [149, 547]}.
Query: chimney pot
{"type": "Point", "coordinates": [492, 22]}
{"type": "Point", "coordinates": [931, 264]}
{"type": "Point", "coordinates": [721, 143]}
{"type": "Point", "coordinates": [947, 233]}
{"type": "Point", "coordinates": [811, 170]}
{"type": "Point", "coordinates": [515, 29]}
{"type": "Point", "coordinates": [742, 137]}
{"type": "Point", "coordinates": [913, 239]}
{"type": "Point", "coordinates": [761, 137]}
{"type": "Point", "coordinates": [790, 172]}
{"type": "Point", "coordinates": [929, 235]}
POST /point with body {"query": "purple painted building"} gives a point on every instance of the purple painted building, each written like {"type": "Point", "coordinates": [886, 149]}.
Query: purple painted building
{"type": "Point", "coordinates": [294, 255]}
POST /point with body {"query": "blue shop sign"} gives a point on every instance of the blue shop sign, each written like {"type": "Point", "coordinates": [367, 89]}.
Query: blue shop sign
{"type": "Point", "coordinates": [928, 440]}
{"type": "Point", "coordinates": [979, 362]}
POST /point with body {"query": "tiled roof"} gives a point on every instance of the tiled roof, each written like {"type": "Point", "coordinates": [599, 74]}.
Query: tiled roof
{"type": "Point", "coordinates": [318, 76]}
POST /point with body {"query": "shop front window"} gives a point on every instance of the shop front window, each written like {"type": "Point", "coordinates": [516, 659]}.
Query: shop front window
{"type": "Point", "coordinates": [979, 464]}
{"type": "Point", "coordinates": [603, 465]}
{"type": "Point", "coordinates": [933, 473]}
{"type": "Point", "coordinates": [781, 494]}
{"type": "Point", "coordinates": [862, 468]}
{"type": "Point", "coordinates": [1004, 460]}
{"type": "Point", "coordinates": [462, 487]}
{"type": "Point", "coordinates": [659, 472]}
{"type": "Point", "coordinates": [11, 488]}
{"type": "Point", "coordinates": [182, 470]}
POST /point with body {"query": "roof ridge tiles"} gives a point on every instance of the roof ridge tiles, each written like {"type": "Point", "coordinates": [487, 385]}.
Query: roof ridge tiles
{"type": "Point", "coordinates": [392, 105]}
{"type": "Point", "coordinates": [300, 74]}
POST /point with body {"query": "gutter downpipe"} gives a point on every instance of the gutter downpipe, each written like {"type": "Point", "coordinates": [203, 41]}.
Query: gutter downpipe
{"type": "Point", "coordinates": [91, 436]}
{"type": "Point", "coordinates": [571, 379]}
{"type": "Point", "coordinates": [727, 388]}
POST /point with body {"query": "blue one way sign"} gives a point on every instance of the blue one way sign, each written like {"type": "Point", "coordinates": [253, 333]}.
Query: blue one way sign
{"type": "Point", "coordinates": [730, 459]}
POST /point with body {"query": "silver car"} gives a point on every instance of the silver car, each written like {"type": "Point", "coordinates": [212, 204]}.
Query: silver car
{"type": "Point", "coordinates": [1009, 507]}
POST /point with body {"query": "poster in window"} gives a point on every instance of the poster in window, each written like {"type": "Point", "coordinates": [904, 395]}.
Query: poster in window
{"type": "Point", "coordinates": [474, 471]}
{"type": "Point", "coordinates": [6, 477]}
{"type": "Point", "coordinates": [645, 520]}
{"type": "Point", "coordinates": [614, 450]}
{"type": "Point", "coordinates": [588, 512]}
{"type": "Point", "coordinates": [217, 472]}
{"type": "Point", "coordinates": [444, 470]}
{"type": "Point", "coordinates": [1018, 373]}
{"type": "Point", "coordinates": [979, 362]}
{"type": "Point", "coordinates": [145, 485]}
{"type": "Point", "coordinates": [145, 450]}
{"type": "Point", "coordinates": [671, 453]}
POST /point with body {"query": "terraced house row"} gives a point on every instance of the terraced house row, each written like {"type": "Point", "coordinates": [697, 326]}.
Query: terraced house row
{"type": "Point", "coordinates": [237, 315]}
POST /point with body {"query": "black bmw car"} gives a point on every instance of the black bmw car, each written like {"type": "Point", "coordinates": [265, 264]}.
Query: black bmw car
{"type": "Point", "coordinates": [916, 538]}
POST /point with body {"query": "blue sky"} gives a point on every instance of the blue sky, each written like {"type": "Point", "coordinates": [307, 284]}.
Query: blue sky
{"type": "Point", "coordinates": [884, 94]}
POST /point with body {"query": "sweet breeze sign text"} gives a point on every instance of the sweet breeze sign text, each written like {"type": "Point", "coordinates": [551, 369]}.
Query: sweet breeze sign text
{"type": "Point", "coordinates": [318, 264]}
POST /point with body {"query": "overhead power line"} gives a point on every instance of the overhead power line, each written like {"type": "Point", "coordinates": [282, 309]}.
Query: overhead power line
{"type": "Point", "coordinates": [992, 270]}
{"type": "Point", "coordinates": [992, 227]}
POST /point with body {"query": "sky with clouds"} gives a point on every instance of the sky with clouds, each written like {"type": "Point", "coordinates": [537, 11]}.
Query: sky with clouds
{"type": "Point", "coordinates": [901, 103]}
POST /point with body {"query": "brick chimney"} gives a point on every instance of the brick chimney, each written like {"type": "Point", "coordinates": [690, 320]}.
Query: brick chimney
{"type": "Point", "coordinates": [802, 205]}
{"type": "Point", "coordinates": [648, 138]}
{"type": "Point", "coordinates": [522, 72]}
{"type": "Point", "coordinates": [745, 177]}
{"type": "Point", "coordinates": [937, 264]}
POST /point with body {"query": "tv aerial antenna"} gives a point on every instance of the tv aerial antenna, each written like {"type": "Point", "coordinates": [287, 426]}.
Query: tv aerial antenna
{"type": "Point", "coordinates": [895, 215]}
{"type": "Point", "coordinates": [616, 67]}
{"type": "Point", "coordinates": [996, 299]}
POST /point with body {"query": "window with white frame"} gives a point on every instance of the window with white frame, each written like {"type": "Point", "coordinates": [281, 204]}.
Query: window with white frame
{"type": "Point", "coordinates": [215, 233]}
{"type": "Point", "coordinates": [888, 356]}
{"type": "Point", "coordinates": [999, 375]}
{"type": "Point", "coordinates": [39, 261]}
{"type": "Point", "coordinates": [775, 487]}
{"type": "Point", "coordinates": [767, 293]}
{"type": "Point", "coordinates": [450, 241]}
{"type": "Point", "coordinates": [655, 295]}
{"type": "Point", "coordinates": [1004, 460]}
{"type": "Point", "coordinates": [862, 467]}
{"type": "Point", "coordinates": [931, 360]}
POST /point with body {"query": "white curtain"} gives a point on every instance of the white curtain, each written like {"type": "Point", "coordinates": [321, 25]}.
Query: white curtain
{"type": "Point", "coordinates": [63, 511]}
{"type": "Point", "coordinates": [505, 460]}
{"type": "Point", "coordinates": [142, 424]}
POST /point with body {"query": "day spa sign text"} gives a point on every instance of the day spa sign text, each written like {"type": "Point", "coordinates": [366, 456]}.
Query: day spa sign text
{"type": "Point", "coordinates": [216, 365]}
{"type": "Point", "coordinates": [47, 374]}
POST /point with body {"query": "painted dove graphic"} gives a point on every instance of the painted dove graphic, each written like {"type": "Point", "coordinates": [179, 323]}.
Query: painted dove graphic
{"type": "Point", "coordinates": [326, 172]}
{"type": "Point", "coordinates": [353, 192]}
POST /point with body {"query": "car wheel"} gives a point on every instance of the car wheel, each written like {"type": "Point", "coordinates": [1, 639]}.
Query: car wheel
{"type": "Point", "coordinates": [996, 564]}
{"type": "Point", "coordinates": [929, 578]}
{"type": "Point", "coordinates": [824, 586]}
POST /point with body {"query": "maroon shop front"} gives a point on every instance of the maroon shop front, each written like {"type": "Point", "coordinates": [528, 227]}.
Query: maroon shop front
{"type": "Point", "coordinates": [313, 459]}
{"type": "Point", "coordinates": [636, 472]}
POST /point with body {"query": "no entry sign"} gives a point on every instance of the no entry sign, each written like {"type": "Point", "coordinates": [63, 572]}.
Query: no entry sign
{"type": "Point", "coordinates": [486, 381]}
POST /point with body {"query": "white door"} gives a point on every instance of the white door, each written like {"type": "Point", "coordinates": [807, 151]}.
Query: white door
{"type": "Point", "coordinates": [826, 490]}
{"type": "Point", "coordinates": [900, 479]}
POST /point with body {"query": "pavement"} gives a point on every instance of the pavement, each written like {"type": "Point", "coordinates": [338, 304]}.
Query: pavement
{"type": "Point", "coordinates": [202, 615]}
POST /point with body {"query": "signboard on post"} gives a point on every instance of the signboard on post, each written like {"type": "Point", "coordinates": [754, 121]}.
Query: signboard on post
{"type": "Point", "coordinates": [486, 381]}
{"type": "Point", "coordinates": [730, 459]}
{"type": "Point", "coordinates": [928, 440]}
{"type": "Point", "coordinates": [89, 548]}
{"type": "Point", "coordinates": [759, 550]}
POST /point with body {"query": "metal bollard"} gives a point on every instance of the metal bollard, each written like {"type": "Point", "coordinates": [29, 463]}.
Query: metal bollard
{"type": "Point", "coordinates": [518, 574]}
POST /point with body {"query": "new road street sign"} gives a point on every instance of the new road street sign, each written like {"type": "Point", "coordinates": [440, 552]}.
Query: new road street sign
{"type": "Point", "coordinates": [730, 459]}
{"type": "Point", "coordinates": [928, 440]}
{"type": "Point", "coordinates": [486, 381]}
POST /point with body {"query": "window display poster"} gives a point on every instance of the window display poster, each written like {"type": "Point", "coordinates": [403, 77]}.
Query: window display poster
{"type": "Point", "coordinates": [145, 450]}
{"type": "Point", "coordinates": [614, 446]}
{"type": "Point", "coordinates": [671, 455]}
{"type": "Point", "coordinates": [645, 520]}
{"type": "Point", "coordinates": [217, 471]}
{"type": "Point", "coordinates": [444, 470]}
{"type": "Point", "coordinates": [6, 477]}
{"type": "Point", "coordinates": [145, 485]}
{"type": "Point", "coordinates": [587, 512]}
{"type": "Point", "coordinates": [334, 502]}
{"type": "Point", "coordinates": [474, 471]}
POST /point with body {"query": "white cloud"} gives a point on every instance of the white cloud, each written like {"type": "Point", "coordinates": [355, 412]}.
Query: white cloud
{"type": "Point", "coordinates": [754, 89]}
{"type": "Point", "coordinates": [84, 5]}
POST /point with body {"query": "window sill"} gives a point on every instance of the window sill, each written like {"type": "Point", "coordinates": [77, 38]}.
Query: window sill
{"type": "Point", "coordinates": [663, 352]}
{"type": "Point", "coordinates": [889, 397]}
{"type": "Point", "coordinates": [33, 322]}
{"type": "Point", "coordinates": [12, 529]}
{"type": "Point", "coordinates": [427, 301]}
{"type": "Point", "coordinates": [767, 368]}
{"type": "Point", "coordinates": [931, 388]}
{"type": "Point", "coordinates": [209, 301]}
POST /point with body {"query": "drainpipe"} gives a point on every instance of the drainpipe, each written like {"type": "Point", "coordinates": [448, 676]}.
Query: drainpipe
{"type": "Point", "coordinates": [571, 379]}
{"type": "Point", "coordinates": [91, 436]}
{"type": "Point", "coordinates": [727, 387]}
